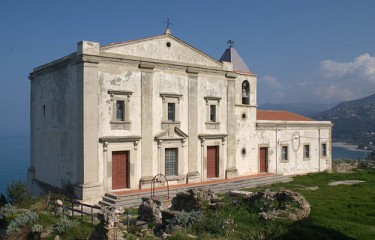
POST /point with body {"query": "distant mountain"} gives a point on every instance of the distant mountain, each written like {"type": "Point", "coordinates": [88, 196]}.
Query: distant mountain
{"type": "Point", "coordinates": [305, 109]}
{"type": "Point", "coordinates": [354, 121]}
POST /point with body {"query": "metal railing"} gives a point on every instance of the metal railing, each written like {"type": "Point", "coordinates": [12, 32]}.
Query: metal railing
{"type": "Point", "coordinates": [154, 179]}
{"type": "Point", "coordinates": [75, 207]}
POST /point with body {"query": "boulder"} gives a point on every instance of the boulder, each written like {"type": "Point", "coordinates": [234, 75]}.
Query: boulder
{"type": "Point", "coordinates": [284, 203]}
{"type": "Point", "coordinates": [193, 199]}
{"type": "Point", "coordinates": [149, 211]}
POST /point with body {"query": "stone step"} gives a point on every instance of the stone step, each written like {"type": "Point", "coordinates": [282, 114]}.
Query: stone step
{"type": "Point", "coordinates": [134, 199]}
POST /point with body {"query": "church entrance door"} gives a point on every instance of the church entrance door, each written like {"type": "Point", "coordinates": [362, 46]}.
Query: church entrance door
{"type": "Point", "coordinates": [263, 159]}
{"type": "Point", "coordinates": [120, 170]}
{"type": "Point", "coordinates": [212, 161]}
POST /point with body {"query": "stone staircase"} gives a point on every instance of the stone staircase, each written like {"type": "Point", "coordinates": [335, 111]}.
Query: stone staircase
{"type": "Point", "coordinates": [134, 198]}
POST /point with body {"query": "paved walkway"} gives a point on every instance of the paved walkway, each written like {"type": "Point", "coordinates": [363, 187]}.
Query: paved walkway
{"type": "Point", "coordinates": [188, 185]}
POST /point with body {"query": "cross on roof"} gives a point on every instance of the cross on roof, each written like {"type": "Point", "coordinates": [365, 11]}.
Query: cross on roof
{"type": "Point", "coordinates": [168, 22]}
{"type": "Point", "coordinates": [230, 43]}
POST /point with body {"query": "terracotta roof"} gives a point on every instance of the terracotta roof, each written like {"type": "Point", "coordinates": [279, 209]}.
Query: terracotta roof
{"type": "Point", "coordinates": [278, 115]}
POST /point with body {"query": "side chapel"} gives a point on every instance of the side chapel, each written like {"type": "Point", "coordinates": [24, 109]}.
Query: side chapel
{"type": "Point", "coordinates": [108, 118]}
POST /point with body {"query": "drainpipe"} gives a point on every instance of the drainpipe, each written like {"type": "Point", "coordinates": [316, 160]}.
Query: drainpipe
{"type": "Point", "coordinates": [319, 149]}
{"type": "Point", "coordinates": [202, 158]}
{"type": "Point", "coordinates": [276, 147]}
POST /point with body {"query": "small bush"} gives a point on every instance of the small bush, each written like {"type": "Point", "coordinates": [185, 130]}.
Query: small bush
{"type": "Point", "coordinates": [16, 192]}
{"type": "Point", "coordinates": [37, 228]}
{"type": "Point", "coordinates": [22, 220]}
{"type": "Point", "coordinates": [184, 219]}
{"type": "Point", "coordinates": [63, 225]}
{"type": "Point", "coordinates": [7, 210]}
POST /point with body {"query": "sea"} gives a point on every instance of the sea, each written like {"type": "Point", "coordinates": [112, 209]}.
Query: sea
{"type": "Point", "coordinates": [15, 157]}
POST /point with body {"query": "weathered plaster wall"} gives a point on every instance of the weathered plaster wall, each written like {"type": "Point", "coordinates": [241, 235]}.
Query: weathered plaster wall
{"type": "Point", "coordinates": [246, 145]}
{"type": "Point", "coordinates": [54, 128]}
{"type": "Point", "coordinates": [157, 48]}
{"type": "Point", "coordinates": [274, 137]}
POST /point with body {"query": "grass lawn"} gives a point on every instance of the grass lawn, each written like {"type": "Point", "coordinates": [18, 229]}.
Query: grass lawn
{"type": "Point", "coordinates": [343, 211]}
{"type": "Point", "coordinates": [337, 212]}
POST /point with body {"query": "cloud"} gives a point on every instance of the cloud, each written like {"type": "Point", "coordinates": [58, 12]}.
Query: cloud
{"type": "Point", "coordinates": [362, 67]}
{"type": "Point", "coordinates": [333, 80]}
{"type": "Point", "coordinates": [270, 89]}
{"type": "Point", "coordinates": [347, 80]}
{"type": "Point", "coordinates": [272, 82]}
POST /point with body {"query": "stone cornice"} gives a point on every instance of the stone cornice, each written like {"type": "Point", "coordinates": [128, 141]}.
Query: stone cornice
{"type": "Point", "coordinates": [212, 136]}
{"type": "Point", "coordinates": [284, 124]}
{"type": "Point", "coordinates": [146, 65]}
{"type": "Point", "coordinates": [116, 139]}
{"type": "Point", "coordinates": [120, 92]}
{"type": "Point", "coordinates": [62, 62]}
{"type": "Point", "coordinates": [188, 68]}
{"type": "Point", "coordinates": [231, 75]}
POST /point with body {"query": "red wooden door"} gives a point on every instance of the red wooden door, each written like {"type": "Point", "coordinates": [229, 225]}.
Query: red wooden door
{"type": "Point", "coordinates": [212, 161]}
{"type": "Point", "coordinates": [263, 156]}
{"type": "Point", "coordinates": [120, 167]}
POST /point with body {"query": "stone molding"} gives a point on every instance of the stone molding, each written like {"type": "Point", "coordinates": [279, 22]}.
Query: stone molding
{"type": "Point", "coordinates": [210, 98]}
{"type": "Point", "coordinates": [203, 137]}
{"type": "Point", "coordinates": [119, 139]}
{"type": "Point", "coordinates": [277, 124]}
{"type": "Point", "coordinates": [231, 75]}
{"type": "Point", "coordinates": [146, 65]}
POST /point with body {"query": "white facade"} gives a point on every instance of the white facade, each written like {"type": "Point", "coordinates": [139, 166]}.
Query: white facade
{"type": "Point", "coordinates": [157, 106]}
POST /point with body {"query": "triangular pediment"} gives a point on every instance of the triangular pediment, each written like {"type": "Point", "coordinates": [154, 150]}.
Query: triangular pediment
{"type": "Point", "coordinates": [164, 47]}
{"type": "Point", "coordinates": [171, 133]}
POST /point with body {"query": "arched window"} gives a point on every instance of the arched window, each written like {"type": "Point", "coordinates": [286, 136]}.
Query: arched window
{"type": "Point", "coordinates": [245, 92]}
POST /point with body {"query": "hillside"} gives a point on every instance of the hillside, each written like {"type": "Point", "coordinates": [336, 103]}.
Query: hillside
{"type": "Point", "coordinates": [354, 121]}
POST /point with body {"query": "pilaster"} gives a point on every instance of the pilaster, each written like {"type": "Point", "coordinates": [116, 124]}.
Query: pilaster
{"type": "Point", "coordinates": [193, 174]}
{"type": "Point", "coordinates": [147, 163]}
{"type": "Point", "coordinates": [88, 184]}
{"type": "Point", "coordinates": [231, 170]}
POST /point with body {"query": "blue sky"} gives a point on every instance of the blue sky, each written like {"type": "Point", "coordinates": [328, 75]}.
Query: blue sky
{"type": "Point", "coordinates": [302, 51]}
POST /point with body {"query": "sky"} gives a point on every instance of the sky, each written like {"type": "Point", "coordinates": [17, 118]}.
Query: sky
{"type": "Point", "coordinates": [313, 51]}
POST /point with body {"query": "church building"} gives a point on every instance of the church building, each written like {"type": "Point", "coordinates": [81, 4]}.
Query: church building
{"type": "Point", "coordinates": [110, 118]}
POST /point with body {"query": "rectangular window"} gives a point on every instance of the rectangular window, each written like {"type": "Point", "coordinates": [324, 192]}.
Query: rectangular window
{"type": "Point", "coordinates": [171, 112]}
{"type": "Point", "coordinates": [324, 150]}
{"type": "Point", "coordinates": [284, 153]}
{"type": "Point", "coordinates": [306, 151]}
{"type": "Point", "coordinates": [171, 156]}
{"type": "Point", "coordinates": [212, 113]}
{"type": "Point", "coordinates": [120, 111]}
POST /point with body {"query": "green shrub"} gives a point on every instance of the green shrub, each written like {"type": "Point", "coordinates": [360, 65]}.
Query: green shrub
{"type": "Point", "coordinates": [63, 225]}
{"type": "Point", "coordinates": [7, 210]}
{"type": "Point", "coordinates": [16, 192]}
{"type": "Point", "coordinates": [26, 218]}
{"type": "Point", "coordinates": [183, 219]}
{"type": "Point", "coordinates": [37, 228]}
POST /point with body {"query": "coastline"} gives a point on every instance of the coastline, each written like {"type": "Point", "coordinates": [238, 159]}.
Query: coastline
{"type": "Point", "coordinates": [351, 147]}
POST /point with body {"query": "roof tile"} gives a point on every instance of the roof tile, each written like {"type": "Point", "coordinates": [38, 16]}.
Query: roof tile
{"type": "Point", "coordinates": [278, 115]}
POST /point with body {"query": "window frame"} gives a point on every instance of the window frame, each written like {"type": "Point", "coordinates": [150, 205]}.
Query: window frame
{"type": "Point", "coordinates": [168, 98]}
{"type": "Point", "coordinates": [213, 113]}
{"type": "Point", "coordinates": [212, 103]}
{"type": "Point", "coordinates": [171, 171]}
{"type": "Point", "coordinates": [245, 89]}
{"type": "Point", "coordinates": [122, 115]}
{"type": "Point", "coordinates": [324, 150]}
{"type": "Point", "coordinates": [171, 112]}
{"type": "Point", "coordinates": [282, 153]}
{"type": "Point", "coordinates": [117, 96]}
{"type": "Point", "coordinates": [306, 154]}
